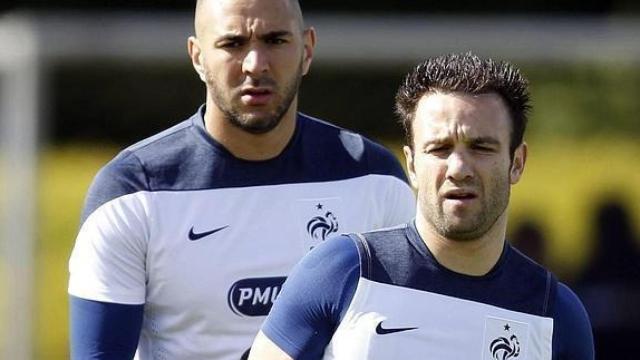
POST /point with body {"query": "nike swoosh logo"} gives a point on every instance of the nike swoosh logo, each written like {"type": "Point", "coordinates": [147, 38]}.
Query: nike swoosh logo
{"type": "Point", "coordinates": [193, 236]}
{"type": "Point", "coordinates": [382, 331]}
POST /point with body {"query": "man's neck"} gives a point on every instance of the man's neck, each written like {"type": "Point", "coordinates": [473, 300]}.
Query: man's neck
{"type": "Point", "coordinates": [474, 257]}
{"type": "Point", "coordinates": [248, 146]}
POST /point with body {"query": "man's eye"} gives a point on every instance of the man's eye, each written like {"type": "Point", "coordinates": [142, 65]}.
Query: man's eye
{"type": "Point", "coordinates": [230, 44]}
{"type": "Point", "coordinates": [276, 41]}
{"type": "Point", "coordinates": [483, 148]}
{"type": "Point", "coordinates": [437, 150]}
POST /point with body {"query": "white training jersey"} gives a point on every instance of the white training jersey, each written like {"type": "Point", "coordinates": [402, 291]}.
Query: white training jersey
{"type": "Point", "coordinates": [382, 295]}
{"type": "Point", "coordinates": [205, 240]}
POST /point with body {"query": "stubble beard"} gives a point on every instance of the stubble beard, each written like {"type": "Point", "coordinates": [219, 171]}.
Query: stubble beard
{"type": "Point", "coordinates": [475, 224]}
{"type": "Point", "coordinates": [250, 123]}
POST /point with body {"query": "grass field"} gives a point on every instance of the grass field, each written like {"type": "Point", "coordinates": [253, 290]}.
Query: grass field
{"type": "Point", "coordinates": [562, 181]}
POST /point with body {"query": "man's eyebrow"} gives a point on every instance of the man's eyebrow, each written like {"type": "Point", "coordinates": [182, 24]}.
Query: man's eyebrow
{"type": "Point", "coordinates": [274, 34]}
{"type": "Point", "coordinates": [484, 140]}
{"type": "Point", "coordinates": [231, 37]}
{"type": "Point", "coordinates": [437, 140]}
{"type": "Point", "coordinates": [269, 35]}
{"type": "Point", "coordinates": [474, 140]}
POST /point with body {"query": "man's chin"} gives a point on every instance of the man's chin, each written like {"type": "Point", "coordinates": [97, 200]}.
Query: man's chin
{"type": "Point", "coordinates": [460, 229]}
{"type": "Point", "coordinates": [257, 124]}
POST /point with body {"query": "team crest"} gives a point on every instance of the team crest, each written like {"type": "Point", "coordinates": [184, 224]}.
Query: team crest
{"type": "Point", "coordinates": [504, 348]}
{"type": "Point", "coordinates": [321, 219]}
{"type": "Point", "coordinates": [505, 339]}
{"type": "Point", "coordinates": [319, 227]}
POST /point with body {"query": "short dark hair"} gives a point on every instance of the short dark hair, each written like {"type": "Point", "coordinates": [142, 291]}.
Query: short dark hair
{"type": "Point", "coordinates": [466, 73]}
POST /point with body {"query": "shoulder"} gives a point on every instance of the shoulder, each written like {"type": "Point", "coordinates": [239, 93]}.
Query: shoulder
{"type": "Point", "coordinates": [523, 276]}
{"type": "Point", "coordinates": [167, 143]}
{"type": "Point", "coordinates": [317, 276]}
{"type": "Point", "coordinates": [568, 309]}
{"type": "Point", "coordinates": [335, 256]}
{"type": "Point", "coordinates": [385, 245]}
{"type": "Point", "coordinates": [572, 337]}
{"type": "Point", "coordinates": [338, 144]}
{"type": "Point", "coordinates": [121, 176]}
{"type": "Point", "coordinates": [161, 148]}
{"type": "Point", "coordinates": [389, 256]}
{"type": "Point", "coordinates": [388, 248]}
{"type": "Point", "coordinates": [136, 167]}
{"type": "Point", "coordinates": [314, 298]}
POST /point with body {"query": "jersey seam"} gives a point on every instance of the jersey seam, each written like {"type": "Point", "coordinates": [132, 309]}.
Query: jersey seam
{"type": "Point", "coordinates": [547, 294]}
{"type": "Point", "coordinates": [186, 124]}
{"type": "Point", "coordinates": [148, 188]}
{"type": "Point", "coordinates": [545, 304]}
{"type": "Point", "coordinates": [367, 254]}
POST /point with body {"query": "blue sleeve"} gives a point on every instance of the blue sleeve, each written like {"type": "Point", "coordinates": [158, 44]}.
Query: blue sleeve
{"type": "Point", "coordinates": [104, 331]}
{"type": "Point", "coordinates": [572, 335]}
{"type": "Point", "coordinates": [314, 299]}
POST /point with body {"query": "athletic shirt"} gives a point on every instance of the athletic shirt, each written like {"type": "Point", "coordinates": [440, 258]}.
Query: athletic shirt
{"type": "Point", "coordinates": [205, 240]}
{"type": "Point", "coordinates": [382, 295]}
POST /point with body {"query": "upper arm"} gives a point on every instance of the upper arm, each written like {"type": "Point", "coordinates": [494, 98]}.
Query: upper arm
{"type": "Point", "coordinates": [572, 336]}
{"type": "Point", "coordinates": [313, 300]}
{"type": "Point", "coordinates": [103, 331]}
{"type": "Point", "coordinates": [108, 259]}
{"type": "Point", "coordinates": [107, 266]}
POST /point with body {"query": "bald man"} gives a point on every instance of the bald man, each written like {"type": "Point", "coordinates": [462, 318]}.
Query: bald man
{"type": "Point", "coordinates": [186, 237]}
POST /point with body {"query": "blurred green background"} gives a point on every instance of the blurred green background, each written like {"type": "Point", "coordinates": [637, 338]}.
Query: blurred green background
{"type": "Point", "coordinates": [583, 139]}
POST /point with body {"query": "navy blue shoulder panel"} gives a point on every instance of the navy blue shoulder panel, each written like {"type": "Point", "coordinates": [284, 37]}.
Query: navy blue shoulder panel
{"type": "Point", "coordinates": [121, 176]}
{"type": "Point", "coordinates": [186, 157]}
{"type": "Point", "coordinates": [193, 160]}
{"type": "Point", "coordinates": [398, 256]}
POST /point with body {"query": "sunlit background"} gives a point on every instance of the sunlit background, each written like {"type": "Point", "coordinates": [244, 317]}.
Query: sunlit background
{"type": "Point", "coordinates": [93, 78]}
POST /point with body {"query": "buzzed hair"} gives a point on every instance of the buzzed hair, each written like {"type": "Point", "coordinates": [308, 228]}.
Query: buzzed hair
{"type": "Point", "coordinates": [296, 9]}
{"type": "Point", "coordinates": [467, 74]}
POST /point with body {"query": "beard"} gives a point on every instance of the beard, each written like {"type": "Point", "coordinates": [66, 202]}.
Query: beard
{"type": "Point", "coordinates": [252, 123]}
{"type": "Point", "coordinates": [473, 223]}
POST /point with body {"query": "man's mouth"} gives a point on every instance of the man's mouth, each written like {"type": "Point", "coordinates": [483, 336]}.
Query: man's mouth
{"type": "Point", "coordinates": [460, 195]}
{"type": "Point", "coordinates": [256, 96]}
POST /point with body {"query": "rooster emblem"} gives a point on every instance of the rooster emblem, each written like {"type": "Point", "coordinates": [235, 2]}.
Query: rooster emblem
{"type": "Point", "coordinates": [503, 348]}
{"type": "Point", "coordinates": [319, 227]}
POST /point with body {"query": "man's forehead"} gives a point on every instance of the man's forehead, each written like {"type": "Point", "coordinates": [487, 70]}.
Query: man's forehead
{"type": "Point", "coordinates": [444, 115]}
{"type": "Point", "coordinates": [444, 133]}
{"type": "Point", "coordinates": [238, 16]}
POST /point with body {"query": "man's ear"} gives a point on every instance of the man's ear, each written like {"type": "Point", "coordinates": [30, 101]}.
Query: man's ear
{"type": "Point", "coordinates": [517, 165]}
{"type": "Point", "coordinates": [309, 41]}
{"type": "Point", "coordinates": [411, 170]}
{"type": "Point", "coordinates": [195, 53]}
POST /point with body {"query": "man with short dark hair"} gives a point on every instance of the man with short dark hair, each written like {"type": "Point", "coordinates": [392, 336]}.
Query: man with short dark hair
{"type": "Point", "coordinates": [446, 286]}
{"type": "Point", "coordinates": [187, 236]}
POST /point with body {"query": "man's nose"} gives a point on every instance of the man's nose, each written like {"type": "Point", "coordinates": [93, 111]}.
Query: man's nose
{"type": "Point", "coordinates": [255, 62]}
{"type": "Point", "coordinates": [459, 166]}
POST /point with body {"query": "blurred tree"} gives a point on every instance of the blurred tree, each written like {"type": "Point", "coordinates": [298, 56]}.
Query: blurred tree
{"type": "Point", "coordinates": [90, 101]}
{"type": "Point", "coordinates": [529, 238]}
{"type": "Point", "coordinates": [610, 286]}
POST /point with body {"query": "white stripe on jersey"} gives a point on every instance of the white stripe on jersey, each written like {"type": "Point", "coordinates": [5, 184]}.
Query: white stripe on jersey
{"type": "Point", "coordinates": [391, 322]}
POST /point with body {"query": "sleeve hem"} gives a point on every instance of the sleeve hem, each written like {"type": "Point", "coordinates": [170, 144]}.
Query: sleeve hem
{"type": "Point", "coordinates": [281, 340]}
{"type": "Point", "coordinates": [109, 297]}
